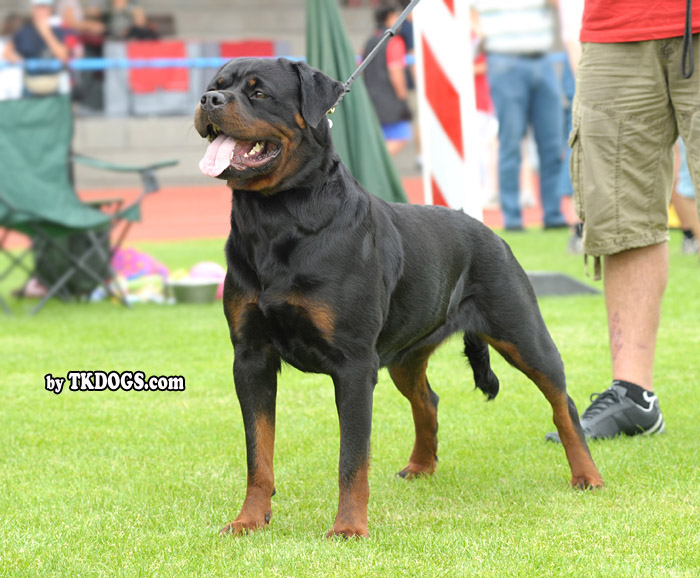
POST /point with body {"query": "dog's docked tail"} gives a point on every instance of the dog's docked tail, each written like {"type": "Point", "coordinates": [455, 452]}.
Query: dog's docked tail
{"type": "Point", "coordinates": [477, 352]}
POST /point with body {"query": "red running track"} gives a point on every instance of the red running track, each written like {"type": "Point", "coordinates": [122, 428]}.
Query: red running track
{"type": "Point", "coordinates": [178, 213]}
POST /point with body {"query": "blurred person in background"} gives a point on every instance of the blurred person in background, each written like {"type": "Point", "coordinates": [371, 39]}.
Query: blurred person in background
{"type": "Point", "coordinates": [570, 17]}
{"type": "Point", "coordinates": [74, 19]}
{"type": "Point", "coordinates": [124, 20]}
{"type": "Point", "coordinates": [518, 39]}
{"type": "Point", "coordinates": [386, 81]}
{"type": "Point", "coordinates": [40, 38]}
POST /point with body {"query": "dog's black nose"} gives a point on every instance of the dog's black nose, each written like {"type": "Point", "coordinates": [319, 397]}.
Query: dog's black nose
{"type": "Point", "coordinates": [212, 99]}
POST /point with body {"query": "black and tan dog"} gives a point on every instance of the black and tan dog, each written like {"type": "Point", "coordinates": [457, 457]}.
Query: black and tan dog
{"type": "Point", "coordinates": [333, 280]}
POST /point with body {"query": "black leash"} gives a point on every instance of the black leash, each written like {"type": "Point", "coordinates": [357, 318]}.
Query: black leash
{"type": "Point", "coordinates": [388, 33]}
{"type": "Point", "coordinates": [688, 42]}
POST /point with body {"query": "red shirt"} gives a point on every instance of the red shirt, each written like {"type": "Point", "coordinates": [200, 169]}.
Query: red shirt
{"type": "Point", "coordinates": [634, 20]}
{"type": "Point", "coordinates": [482, 92]}
{"type": "Point", "coordinates": [396, 52]}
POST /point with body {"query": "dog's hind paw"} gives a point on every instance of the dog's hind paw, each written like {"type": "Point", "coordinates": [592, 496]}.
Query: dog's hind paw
{"type": "Point", "coordinates": [245, 525]}
{"type": "Point", "coordinates": [414, 470]}
{"type": "Point", "coordinates": [347, 532]}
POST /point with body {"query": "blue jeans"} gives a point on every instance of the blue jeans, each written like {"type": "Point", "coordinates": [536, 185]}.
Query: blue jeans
{"type": "Point", "coordinates": [568, 84]}
{"type": "Point", "coordinates": [526, 91]}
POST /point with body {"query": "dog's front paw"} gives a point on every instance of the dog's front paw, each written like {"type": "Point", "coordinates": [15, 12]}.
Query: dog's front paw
{"type": "Point", "coordinates": [590, 482]}
{"type": "Point", "coordinates": [245, 524]}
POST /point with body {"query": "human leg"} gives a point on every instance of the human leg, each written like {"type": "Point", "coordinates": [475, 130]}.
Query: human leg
{"type": "Point", "coordinates": [509, 83]}
{"type": "Point", "coordinates": [394, 146]}
{"type": "Point", "coordinates": [565, 187]}
{"type": "Point", "coordinates": [635, 281]}
{"type": "Point", "coordinates": [683, 198]}
{"type": "Point", "coordinates": [397, 135]}
{"type": "Point", "coordinates": [685, 95]}
{"type": "Point", "coordinates": [568, 86]}
{"type": "Point", "coordinates": [622, 173]}
{"type": "Point", "coordinates": [688, 216]}
{"type": "Point", "coordinates": [547, 119]}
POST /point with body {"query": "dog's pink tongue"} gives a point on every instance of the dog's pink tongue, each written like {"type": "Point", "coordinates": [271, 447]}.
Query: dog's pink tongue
{"type": "Point", "coordinates": [218, 156]}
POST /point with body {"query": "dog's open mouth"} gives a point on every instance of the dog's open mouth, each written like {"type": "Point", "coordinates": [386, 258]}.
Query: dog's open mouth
{"type": "Point", "coordinates": [224, 152]}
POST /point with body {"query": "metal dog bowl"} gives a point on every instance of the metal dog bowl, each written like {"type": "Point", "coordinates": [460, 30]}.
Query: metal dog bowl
{"type": "Point", "coordinates": [194, 290]}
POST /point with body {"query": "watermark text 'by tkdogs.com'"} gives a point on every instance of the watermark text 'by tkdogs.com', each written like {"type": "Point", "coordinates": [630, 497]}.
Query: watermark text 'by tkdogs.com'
{"type": "Point", "coordinates": [113, 381]}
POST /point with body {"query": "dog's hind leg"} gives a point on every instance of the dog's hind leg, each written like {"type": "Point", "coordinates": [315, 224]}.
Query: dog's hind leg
{"type": "Point", "coordinates": [528, 346]}
{"type": "Point", "coordinates": [501, 309]}
{"type": "Point", "coordinates": [410, 379]}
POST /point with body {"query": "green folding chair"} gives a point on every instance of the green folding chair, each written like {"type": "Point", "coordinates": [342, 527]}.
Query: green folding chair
{"type": "Point", "coordinates": [72, 242]}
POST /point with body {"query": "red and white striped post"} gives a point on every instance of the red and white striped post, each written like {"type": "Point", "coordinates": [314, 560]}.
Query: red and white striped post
{"type": "Point", "coordinates": [446, 105]}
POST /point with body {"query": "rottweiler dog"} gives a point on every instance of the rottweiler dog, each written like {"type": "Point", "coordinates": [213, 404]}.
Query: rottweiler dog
{"type": "Point", "coordinates": [333, 280]}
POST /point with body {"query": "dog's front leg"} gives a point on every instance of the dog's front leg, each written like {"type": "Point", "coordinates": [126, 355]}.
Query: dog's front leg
{"type": "Point", "coordinates": [353, 398]}
{"type": "Point", "coordinates": [255, 375]}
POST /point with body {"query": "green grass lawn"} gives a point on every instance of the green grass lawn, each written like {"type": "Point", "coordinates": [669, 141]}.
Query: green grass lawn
{"type": "Point", "coordinates": [138, 484]}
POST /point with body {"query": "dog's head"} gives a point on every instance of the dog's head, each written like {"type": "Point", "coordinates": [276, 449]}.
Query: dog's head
{"type": "Point", "coordinates": [265, 120]}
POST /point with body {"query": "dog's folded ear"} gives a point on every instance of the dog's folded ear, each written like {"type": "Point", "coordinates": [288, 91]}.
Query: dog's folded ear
{"type": "Point", "coordinates": [318, 93]}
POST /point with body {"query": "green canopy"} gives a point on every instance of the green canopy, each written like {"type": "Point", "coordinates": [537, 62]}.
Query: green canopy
{"type": "Point", "coordinates": [356, 132]}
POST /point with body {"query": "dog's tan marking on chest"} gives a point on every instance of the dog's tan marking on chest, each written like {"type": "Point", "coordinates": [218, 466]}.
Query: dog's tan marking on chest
{"type": "Point", "coordinates": [319, 313]}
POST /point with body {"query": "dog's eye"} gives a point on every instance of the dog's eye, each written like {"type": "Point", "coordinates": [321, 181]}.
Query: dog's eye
{"type": "Point", "coordinates": [259, 94]}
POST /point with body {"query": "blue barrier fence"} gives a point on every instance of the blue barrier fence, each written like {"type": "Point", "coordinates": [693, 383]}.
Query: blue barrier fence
{"type": "Point", "coordinates": [125, 63]}
{"type": "Point", "coordinates": [121, 63]}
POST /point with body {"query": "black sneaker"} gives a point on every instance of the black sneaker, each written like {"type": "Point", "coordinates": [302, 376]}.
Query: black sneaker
{"type": "Point", "coordinates": [576, 240]}
{"type": "Point", "coordinates": [612, 413]}
{"type": "Point", "coordinates": [689, 246]}
{"type": "Point", "coordinates": [690, 243]}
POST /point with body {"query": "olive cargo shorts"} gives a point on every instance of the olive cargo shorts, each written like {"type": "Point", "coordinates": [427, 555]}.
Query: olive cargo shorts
{"type": "Point", "coordinates": [631, 103]}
